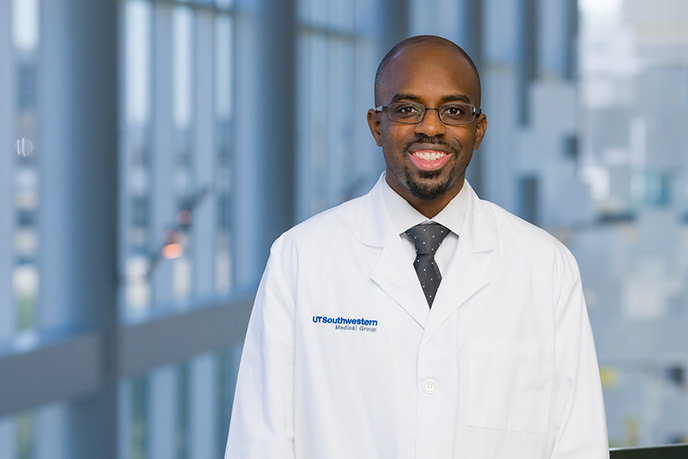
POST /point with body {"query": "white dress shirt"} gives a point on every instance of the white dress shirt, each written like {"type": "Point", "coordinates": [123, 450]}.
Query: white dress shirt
{"type": "Point", "coordinates": [403, 216]}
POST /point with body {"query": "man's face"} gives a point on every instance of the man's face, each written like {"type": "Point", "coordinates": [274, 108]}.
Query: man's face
{"type": "Point", "coordinates": [426, 162]}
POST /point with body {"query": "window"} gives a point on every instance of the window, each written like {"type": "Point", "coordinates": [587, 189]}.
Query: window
{"type": "Point", "coordinates": [632, 78]}
{"type": "Point", "coordinates": [62, 334]}
{"type": "Point", "coordinates": [176, 206]}
{"type": "Point", "coordinates": [176, 153]}
{"type": "Point", "coordinates": [179, 411]}
{"type": "Point", "coordinates": [19, 196]}
{"type": "Point", "coordinates": [337, 159]}
{"type": "Point", "coordinates": [23, 229]}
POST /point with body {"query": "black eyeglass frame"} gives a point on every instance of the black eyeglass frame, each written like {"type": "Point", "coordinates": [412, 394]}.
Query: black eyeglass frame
{"type": "Point", "coordinates": [476, 112]}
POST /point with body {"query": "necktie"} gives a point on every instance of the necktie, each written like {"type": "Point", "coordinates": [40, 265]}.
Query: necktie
{"type": "Point", "coordinates": [427, 238]}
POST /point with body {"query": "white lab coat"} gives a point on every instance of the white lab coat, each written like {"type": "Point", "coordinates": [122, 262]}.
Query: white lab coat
{"type": "Point", "coordinates": [502, 366]}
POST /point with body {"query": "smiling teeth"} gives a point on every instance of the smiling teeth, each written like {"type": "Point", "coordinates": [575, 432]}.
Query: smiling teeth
{"type": "Point", "coordinates": [427, 156]}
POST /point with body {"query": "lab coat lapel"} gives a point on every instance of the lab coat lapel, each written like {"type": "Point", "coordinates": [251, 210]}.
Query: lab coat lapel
{"type": "Point", "coordinates": [469, 270]}
{"type": "Point", "coordinates": [395, 275]}
{"type": "Point", "coordinates": [393, 271]}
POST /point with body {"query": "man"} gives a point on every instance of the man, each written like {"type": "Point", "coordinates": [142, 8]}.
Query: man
{"type": "Point", "coordinates": [419, 321]}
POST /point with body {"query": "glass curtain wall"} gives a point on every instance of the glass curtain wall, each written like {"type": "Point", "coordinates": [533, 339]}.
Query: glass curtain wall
{"type": "Point", "coordinates": [25, 193]}
{"type": "Point", "coordinates": [176, 153]}
{"type": "Point", "coordinates": [633, 91]}
{"type": "Point", "coordinates": [176, 205]}
{"type": "Point", "coordinates": [337, 158]}
{"type": "Point", "coordinates": [20, 178]}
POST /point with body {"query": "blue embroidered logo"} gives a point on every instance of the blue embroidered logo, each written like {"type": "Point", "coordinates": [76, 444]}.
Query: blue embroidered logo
{"type": "Point", "coordinates": [343, 323]}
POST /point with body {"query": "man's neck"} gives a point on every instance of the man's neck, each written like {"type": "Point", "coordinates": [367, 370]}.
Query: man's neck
{"type": "Point", "coordinates": [432, 207]}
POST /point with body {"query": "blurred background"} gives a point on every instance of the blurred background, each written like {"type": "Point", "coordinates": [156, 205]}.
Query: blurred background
{"type": "Point", "coordinates": [153, 149]}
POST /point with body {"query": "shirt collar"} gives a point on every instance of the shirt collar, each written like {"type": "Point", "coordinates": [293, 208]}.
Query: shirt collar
{"type": "Point", "coordinates": [403, 216]}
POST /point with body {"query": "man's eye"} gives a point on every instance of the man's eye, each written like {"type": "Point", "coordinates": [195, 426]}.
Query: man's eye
{"type": "Point", "coordinates": [406, 110]}
{"type": "Point", "coordinates": [454, 111]}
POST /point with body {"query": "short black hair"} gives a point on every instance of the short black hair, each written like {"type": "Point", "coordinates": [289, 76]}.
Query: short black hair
{"type": "Point", "coordinates": [414, 41]}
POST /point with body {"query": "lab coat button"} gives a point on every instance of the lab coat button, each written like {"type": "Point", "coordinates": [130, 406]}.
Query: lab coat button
{"type": "Point", "coordinates": [429, 386]}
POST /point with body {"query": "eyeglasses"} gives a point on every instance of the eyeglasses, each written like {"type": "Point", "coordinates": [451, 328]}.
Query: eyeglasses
{"type": "Point", "coordinates": [413, 113]}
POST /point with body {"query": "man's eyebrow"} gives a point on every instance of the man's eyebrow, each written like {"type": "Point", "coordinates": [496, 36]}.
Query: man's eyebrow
{"type": "Point", "coordinates": [456, 98]}
{"type": "Point", "coordinates": [445, 99]}
{"type": "Point", "coordinates": [405, 96]}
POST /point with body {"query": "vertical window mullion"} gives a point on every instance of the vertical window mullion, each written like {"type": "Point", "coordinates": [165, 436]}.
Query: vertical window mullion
{"type": "Point", "coordinates": [125, 421]}
{"type": "Point", "coordinates": [162, 412]}
{"type": "Point", "coordinates": [8, 433]}
{"type": "Point", "coordinates": [50, 424]}
{"type": "Point", "coordinates": [163, 205]}
{"type": "Point", "coordinates": [320, 109]}
{"type": "Point", "coordinates": [26, 231]}
{"type": "Point", "coordinates": [335, 120]}
{"type": "Point", "coordinates": [347, 172]}
{"type": "Point", "coordinates": [203, 377]}
{"type": "Point", "coordinates": [303, 126]}
{"type": "Point", "coordinates": [136, 153]}
{"type": "Point", "coordinates": [7, 91]}
{"type": "Point", "coordinates": [179, 233]}
{"type": "Point", "coordinates": [204, 214]}
{"type": "Point", "coordinates": [223, 141]}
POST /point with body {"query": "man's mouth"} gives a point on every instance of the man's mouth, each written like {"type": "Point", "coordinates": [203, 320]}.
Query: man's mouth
{"type": "Point", "coordinates": [429, 160]}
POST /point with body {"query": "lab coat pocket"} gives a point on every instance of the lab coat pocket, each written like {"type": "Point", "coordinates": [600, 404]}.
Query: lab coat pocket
{"type": "Point", "coordinates": [509, 385]}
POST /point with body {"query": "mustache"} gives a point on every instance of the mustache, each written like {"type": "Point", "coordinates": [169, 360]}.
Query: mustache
{"type": "Point", "coordinates": [434, 140]}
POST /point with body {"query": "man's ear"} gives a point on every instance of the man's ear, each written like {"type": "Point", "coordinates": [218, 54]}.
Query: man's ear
{"type": "Point", "coordinates": [374, 125]}
{"type": "Point", "coordinates": [480, 129]}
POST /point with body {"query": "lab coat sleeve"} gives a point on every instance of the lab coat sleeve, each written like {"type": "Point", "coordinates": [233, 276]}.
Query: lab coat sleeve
{"type": "Point", "coordinates": [262, 420]}
{"type": "Point", "coordinates": [580, 424]}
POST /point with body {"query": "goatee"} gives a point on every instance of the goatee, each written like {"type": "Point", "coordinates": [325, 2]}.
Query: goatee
{"type": "Point", "coordinates": [427, 192]}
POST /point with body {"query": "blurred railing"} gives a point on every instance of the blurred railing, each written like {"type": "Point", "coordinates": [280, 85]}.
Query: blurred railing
{"type": "Point", "coordinates": [655, 452]}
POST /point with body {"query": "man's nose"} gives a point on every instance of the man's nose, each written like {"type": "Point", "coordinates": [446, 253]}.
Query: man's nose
{"type": "Point", "coordinates": [431, 124]}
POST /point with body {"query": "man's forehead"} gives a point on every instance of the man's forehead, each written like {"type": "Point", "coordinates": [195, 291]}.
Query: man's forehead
{"type": "Point", "coordinates": [428, 59]}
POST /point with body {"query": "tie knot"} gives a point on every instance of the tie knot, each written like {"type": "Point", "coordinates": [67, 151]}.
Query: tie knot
{"type": "Point", "coordinates": [427, 237]}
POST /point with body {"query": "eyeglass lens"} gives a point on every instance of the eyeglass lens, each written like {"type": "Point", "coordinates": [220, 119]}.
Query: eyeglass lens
{"type": "Point", "coordinates": [412, 113]}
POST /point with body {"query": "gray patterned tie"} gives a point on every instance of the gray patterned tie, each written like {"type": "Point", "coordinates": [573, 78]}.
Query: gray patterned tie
{"type": "Point", "coordinates": [427, 238]}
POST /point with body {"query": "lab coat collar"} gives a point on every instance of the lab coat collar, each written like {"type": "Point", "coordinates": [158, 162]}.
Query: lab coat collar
{"type": "Point", "coordinates": [377, 226]}
{"type": "Point", "coordinates": [393, 273]}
